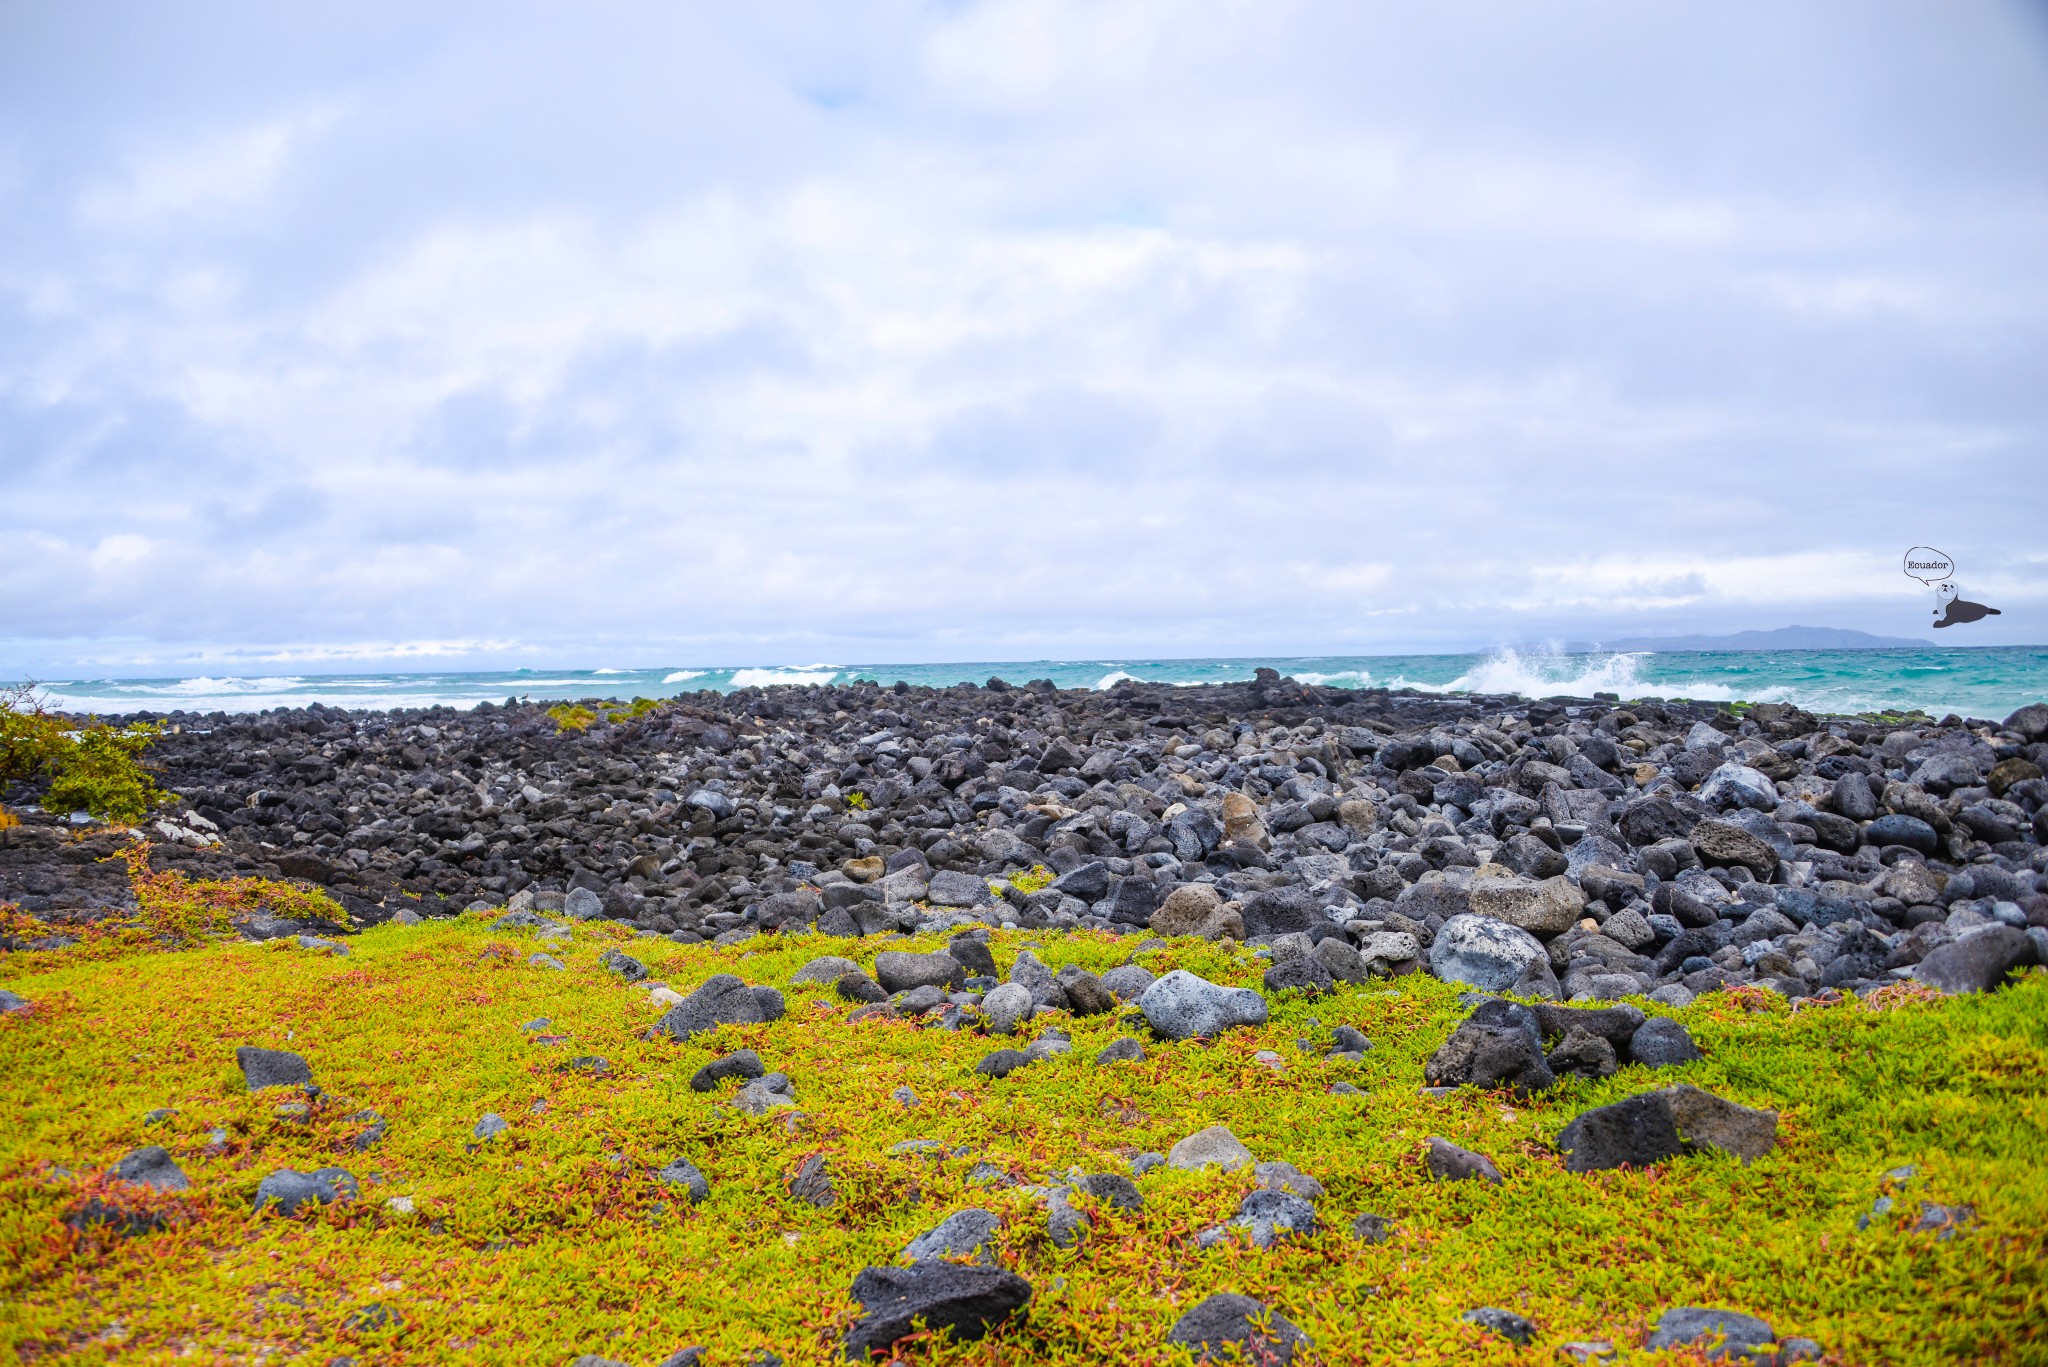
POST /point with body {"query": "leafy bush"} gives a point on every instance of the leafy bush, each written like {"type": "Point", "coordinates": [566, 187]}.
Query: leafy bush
{"type": "Point", "coordinates": [102, 774]}
{"type": "Point", "coordinates": [31, 739]}
{"type": "Point", "coordinates": [570, 717]}
{"type": "Point", "coordinates": [93, 768]}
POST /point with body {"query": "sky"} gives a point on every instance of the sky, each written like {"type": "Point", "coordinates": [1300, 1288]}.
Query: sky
{"type": "Point", "coordinates": [616, 334]}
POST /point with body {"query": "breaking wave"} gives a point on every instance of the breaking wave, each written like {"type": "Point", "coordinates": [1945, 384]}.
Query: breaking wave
{"type": "Point", "coordinates": [769, 678]}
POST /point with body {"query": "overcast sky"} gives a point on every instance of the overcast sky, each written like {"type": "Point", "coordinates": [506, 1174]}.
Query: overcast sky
{"type": "Point", "coordinates": [641, 334]}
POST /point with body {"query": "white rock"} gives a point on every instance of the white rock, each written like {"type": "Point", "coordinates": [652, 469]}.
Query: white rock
{"type": "Point", "coordinates": [1183, 1006]}
{"type": "Point", "coordinates": [1214, 1145]}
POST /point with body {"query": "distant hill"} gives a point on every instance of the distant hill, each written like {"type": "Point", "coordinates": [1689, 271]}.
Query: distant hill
{"type": "Point", "coordinates": [1784, 638]}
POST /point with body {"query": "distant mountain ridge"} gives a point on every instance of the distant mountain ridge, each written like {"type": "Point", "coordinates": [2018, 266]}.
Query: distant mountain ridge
{"type": "Point", "coordinates": [1784, 638]}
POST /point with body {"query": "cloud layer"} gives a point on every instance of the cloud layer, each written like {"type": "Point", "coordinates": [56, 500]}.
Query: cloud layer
{"type": "Point", "coordinates": [662, 334]}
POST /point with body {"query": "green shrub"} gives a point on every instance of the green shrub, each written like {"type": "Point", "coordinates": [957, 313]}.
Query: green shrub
{"type": "Point", "coordinates": [102, 774]}
{"type": "Point", "coordinates": [632, 711]}
{"type": "Point", "coordinates": [570, 717]}
{"type": "Point", "coordinates": [93, 768]}
{"type": "Point", "coordinates": [30, 738]}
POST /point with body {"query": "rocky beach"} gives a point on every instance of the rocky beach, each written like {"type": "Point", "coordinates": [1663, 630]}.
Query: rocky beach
{"type": "Point", "coordinates": [1566, 848]}
{"type": "Point", "coordinates": [1138, 1024]}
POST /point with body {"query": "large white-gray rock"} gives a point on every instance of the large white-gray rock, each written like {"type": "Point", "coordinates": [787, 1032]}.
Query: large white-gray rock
{"type": "Point", "coordinates": [1182, 1006]}
{"type": "Point", "coordinates": [1382, 949]}
{"type": "Point", "coordinates": [1547, 907]}
{"type": "Point", "coordinates": [1738, 785]}
{"type": "Point", "coordinates": [1004, 1006]}
{"type": "Point", "coordinates": [1488, 954]}
{"type": "Point", "coordinates": [1704, 737]}
{"type": "Point", "coordinates": [1214, 1145]}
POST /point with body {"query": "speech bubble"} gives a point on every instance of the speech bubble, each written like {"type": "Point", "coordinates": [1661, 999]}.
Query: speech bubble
{"type": "Point", "coordinates": [1928, 565]}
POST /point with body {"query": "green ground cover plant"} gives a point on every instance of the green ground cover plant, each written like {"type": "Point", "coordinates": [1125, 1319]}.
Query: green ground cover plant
{"type": "Point", "coordinates": [171, 912]}
{"type": "Point", "coordinates": [553, 1239]}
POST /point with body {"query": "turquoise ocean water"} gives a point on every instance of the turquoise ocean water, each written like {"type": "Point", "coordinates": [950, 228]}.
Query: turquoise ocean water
{"type": "Point", "coordinates": [1985, 682]}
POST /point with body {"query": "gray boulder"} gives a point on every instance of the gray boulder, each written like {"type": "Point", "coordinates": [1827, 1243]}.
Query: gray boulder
{"type": "Point", "coordinates": [582, 905]}
{"type": "Point", "coordinates": [969, 1233]}
{"type": "Point", "coordinates": [1003, 1062]}
{"type": "Point", "coordinates": [682, 1173]}
{"type": "Point", "coordinates": [1127, 982]}
{"type": "Point", "coordinates": [1738, 785]}
{"type": "Point", "coordinates": [1125, 1050]}
{"type": "Point", "coordinates": [950, 888]}
{"type": "Point", "coordinates": [1232, 1328]}
{"type": "Point", "coordinates": [772, 1092]}
{"type": "Point", "coordinates": [1661, 1042]}
{"type": "Point", "coordinates": [1450, 1163]}
{"type": "Point", "coordinates": [1654, 1126]}
{"type": "Point", "coordinates": [1086, 996]}
{"type": "Point", "coordinates": [1492, 956]}
{"type": "Point", "coordinates": [1506, 1323]}
{"type": "Point", "coordinates": [1181, 1005]}
{"type": "Point", "coordinates": [1265, 1217]}
{"type": "Point", "coordinates": [1215, 1144]}
{"type": "Point", "coordinates": [722, 1000]}
{"type": "Point", "coordinates": [898, 971]}
{"type": "Point", "coordinates": [1733, 1334]}
{"type": "Point", "coordinates": [1483, 1055]}
{"type": "Point", "coordinates": [288, 1191]}
{"type": "Point", "coordinates": [272, 1068]}
{"type": "Point", "coordinates": [973, 954]}
{"type": "Point", "coordinates": [1724, 842]}
{"type": "Point", "coordinates": [1977, 962]}
{"type": "Point", "coordinates": [153, 1167]}
{"type": "Point", "coordinates": [859, 987]}
{"type": "Point", "coordinates": [1343, 963]}
{"type": "Point", "coordinates": [964, 1301]}
{"type": "Point", "coordinates": [1003, 1007]}
{"type": "Point", "coordinates": [1279, 911]}
{"type": "Point", "coordinates": [1306, 974]}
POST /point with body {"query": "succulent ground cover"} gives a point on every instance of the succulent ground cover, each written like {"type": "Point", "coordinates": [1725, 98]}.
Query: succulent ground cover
{"type": "Point", "coordinates": [553, 1238]}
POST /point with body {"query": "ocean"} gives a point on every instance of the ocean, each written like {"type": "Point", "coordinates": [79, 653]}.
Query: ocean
{"type": "Point", "coordinates": [1980, 682]}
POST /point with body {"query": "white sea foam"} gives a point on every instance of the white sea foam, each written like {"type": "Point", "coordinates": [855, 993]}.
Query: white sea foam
{"type": "Point", "coordinates": [1343, 677]}
{"type": "Point", "coordinates": [768, 678]}
{"type": "Point", "coordinates": [610, 671]}
{"type": "Point", "coordinates": [1581, 676]}
{"type": "Point", "coordinates": [207, 687]}
{"type": "Point", "coordinates": [684, 675]}
{"type": "Point", "coordinates": [1112, 679]}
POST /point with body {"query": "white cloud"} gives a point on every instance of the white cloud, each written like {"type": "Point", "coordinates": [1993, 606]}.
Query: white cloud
{"type": "Point", "coordinates": [207, 177]}
{"type": "Point", "coordinates": [1057, 327]}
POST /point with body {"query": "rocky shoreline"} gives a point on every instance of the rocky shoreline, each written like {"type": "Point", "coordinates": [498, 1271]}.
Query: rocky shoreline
{"type": "Point", "coordinates": [1577, 849]}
